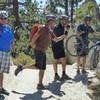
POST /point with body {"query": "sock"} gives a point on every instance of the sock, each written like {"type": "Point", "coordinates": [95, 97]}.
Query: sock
{"type": "Point", "coordinates": [56, 73]}
{"type": "Point", "coordinates": [83, 68]}
{"type": "Point", "coordinates": [63, 72]}
{"type": "Point", "coordinates": [0, 87]}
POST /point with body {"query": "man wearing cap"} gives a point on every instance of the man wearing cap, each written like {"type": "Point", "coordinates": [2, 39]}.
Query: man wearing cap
{"type": "Point", "coordinates": [83, 30]}
{"type": "Point", "coordinates": [6, 42]}
{"type": "Point", "coordinates": [58, 47]}
{"type": "Point", "coordinates": [41, 41]}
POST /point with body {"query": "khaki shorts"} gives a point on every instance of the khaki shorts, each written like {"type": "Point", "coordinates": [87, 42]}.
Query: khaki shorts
{"type": "Point", "coordinates": [4, 61]}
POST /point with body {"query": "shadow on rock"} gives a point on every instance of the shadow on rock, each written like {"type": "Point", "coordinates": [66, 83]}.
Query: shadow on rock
{"type": "Point", "coordinates": [35, 96]}
{"type": "Point", "coordinates": [2, 97]}
{"type": "Point", "coordinates": [55, 88]}
{"type": "Point", "coordinates": [83, 78]}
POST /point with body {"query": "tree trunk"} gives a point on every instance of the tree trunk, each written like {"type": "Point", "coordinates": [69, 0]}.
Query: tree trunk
{"type": "Point", "coordinates": [76, 3]}
{"type": "Point", "coordinates": [66, 7]}
{"type": "Point", "coordinates": [16, 13]}
{"type": "Point", "coordinates": [72, 10]}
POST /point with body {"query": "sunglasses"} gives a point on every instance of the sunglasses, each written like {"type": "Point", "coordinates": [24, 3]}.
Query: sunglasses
{"type": "Point", "coordinates": [3, 18]}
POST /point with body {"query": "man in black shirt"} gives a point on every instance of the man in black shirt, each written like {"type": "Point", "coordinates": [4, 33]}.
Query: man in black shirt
{"type": "Point", "coordinates": [58, 47]}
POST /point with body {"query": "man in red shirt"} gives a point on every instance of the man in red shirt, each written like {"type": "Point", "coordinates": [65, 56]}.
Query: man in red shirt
{"type": "Point", "coordinates": [41, 40]}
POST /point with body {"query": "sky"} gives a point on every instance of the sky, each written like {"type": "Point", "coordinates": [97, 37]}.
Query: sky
{"type": "Point", "coordinates": [98, 1]}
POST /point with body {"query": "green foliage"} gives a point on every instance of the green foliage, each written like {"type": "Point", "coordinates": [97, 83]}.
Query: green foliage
{"type": "Point", "coordinates": [87, 9]}
{"type": "Point", "coordinates": [23, 59]}
{"type": "Point", "coordinates": [11, 20]}
{"type": "Point", "coordinates": [49, 56]}
{"type": "Point", "coordinates": [92, 36]}
{"type": "Point", "coordinates": [90, 5]}
{"type": "Point", "coordinates": [22, 43]}
{"type": "Point", "coordinates": [51, 7]}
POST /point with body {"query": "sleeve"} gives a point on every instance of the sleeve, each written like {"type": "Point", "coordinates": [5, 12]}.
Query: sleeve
{"type": "Point", "coordinates": [91, 30]}
{"type": "Point", "coordinates": [11, 32]}
{"type": "Point", "coordinates": [52, 34]}
{"type": "Point", "coordinates": [79, 28]}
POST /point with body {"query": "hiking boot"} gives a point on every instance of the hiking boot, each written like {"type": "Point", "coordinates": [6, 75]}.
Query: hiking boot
{"type": "Point", "coordinates": [18, 69]}
{"type": "Point", "coordinates": [57, 77]}
{"type": "Point", "coordinates": [41, 87]}
{"type": "Point", "coordinates": [84, 71]}
{"type": "Point", "coordinates": [78, 72]}
{"type": "Point", "coordinates": [65, 77]}
{"type": "Point", "coordinates": [3, 91]}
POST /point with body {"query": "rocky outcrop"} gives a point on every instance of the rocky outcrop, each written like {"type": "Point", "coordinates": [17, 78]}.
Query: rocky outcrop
{"type": "Point", "coordinates": [95, 86]}
{"type": "Point", "coordinates": [96, 90]}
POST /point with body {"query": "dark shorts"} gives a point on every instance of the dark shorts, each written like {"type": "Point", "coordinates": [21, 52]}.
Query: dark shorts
{"type": "Point", "coordinates": [40, 58]}
{"type": "Point", "coordinates": [84, 52]}
{"type": "Point", "coordinates": [58, 52]}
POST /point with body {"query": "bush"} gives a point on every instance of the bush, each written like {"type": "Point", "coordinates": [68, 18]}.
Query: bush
{"type": "Point", "coordinates": [49, 56]}
{"type": "Point", "coordinates": [23, 59]}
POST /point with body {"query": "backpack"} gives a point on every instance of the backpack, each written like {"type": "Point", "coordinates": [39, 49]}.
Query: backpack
{"type": "Point", "coordinates": [34, 30]}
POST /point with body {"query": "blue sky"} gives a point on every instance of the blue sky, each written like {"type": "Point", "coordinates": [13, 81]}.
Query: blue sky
{"type": "Point", "coordinates": [98, 1]}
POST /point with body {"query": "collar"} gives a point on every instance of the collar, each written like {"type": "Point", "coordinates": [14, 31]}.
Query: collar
{"type": "Point", "coordinates": [60, 25]}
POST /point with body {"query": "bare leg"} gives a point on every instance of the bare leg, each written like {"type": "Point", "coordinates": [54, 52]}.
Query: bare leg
{"type": "Point", "coordinates": [55, 65]}
{"type": "Point", "coordinates": [21, 67]}
{"type": "Point", "coordinates": [63, 60]}
{"type": "Point", "coordinates": [1, 80]}
{"type": "Point", "coordinates": [83, 65]}
{"type": "Point", "coordinates": [78, 62]}
{"type": "Point", "coordinates": [30, 67]}
{"type": "Point", "coordinates": [84, 61]}
{"type": "Point", "coordinates": [41, 75]}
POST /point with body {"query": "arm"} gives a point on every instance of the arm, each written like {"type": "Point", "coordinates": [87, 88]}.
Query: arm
{"type": "Point", "coordinates": [13, 45]}
{"type": "Point", "coordinates": [79, 33]}
{"type": "Point", "coordinates": [54, 37]}
{"type": "Point", "coordinates": [64, 36]}
{"type": "Point", "coordinates": [30, 38]}
{"type": "Point", "coordinates": [57, 39]}
{"type": "Point", "coordinates": [96, 34]}
{"type": "Point", "coordinates": [34, 38]}
{"type": "Point", "coordinates": [80, 29]}
{"type": "Point", "coordinates": [37, 35]}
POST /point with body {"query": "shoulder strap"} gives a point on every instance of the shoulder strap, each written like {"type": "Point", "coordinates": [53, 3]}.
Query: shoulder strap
{"type": "Point", "coordinates": [0, 32]}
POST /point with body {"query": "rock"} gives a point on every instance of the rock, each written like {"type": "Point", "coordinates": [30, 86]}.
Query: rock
{"type": "Point", "coordinates": [96, 90]}
{"type": "Point", "coordinates": [98, 71]}
{"type": "Point", "coordinates": [94, 86]}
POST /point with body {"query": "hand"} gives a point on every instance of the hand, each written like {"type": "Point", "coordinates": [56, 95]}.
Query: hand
{"type": "Point", "coordinates": [63, 36]}
{"type": "Point", "coordinates": [55, 39]}
{"type": "Point", "coordinates": [13, 54]}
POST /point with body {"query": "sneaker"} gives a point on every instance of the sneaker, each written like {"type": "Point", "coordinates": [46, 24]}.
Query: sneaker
{"type": "Point", "coordinates": [84, 71]}
{"type": "Point", "coordinates": [65, 77]}
{"type": "Point", "coordinates": [57, 77]}
{"type": "Point", "coordinates": [41, 87]}
{"type": "Point", "coordinates": [78, 71]}
{"type": "Point", "coordinates": [18, 69]}
{"type": "Point", "coordinates": [3, 91]}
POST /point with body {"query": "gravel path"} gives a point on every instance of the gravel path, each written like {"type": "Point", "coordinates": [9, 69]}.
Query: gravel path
{"type": "Point", "coordinates": [23, 87]}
